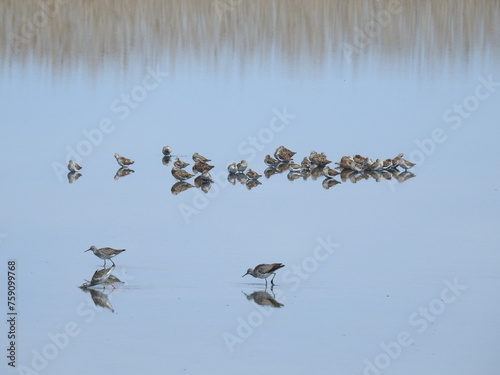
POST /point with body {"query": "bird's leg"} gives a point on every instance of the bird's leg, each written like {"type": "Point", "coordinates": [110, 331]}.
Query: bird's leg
{"type": "Point", "coordinates": [272, 283]}
{"type": "Point", "coordinates": [112, 261]}
{"type": "Point", "coordinates": [104, 263]}
{"type": "Point", "coordinates": [266, 282]}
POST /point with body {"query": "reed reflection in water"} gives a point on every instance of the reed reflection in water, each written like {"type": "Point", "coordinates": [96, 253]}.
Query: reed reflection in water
{"type": "Point", "coordinates": [91, 36]}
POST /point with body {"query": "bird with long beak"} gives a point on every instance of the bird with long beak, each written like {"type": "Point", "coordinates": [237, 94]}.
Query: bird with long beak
{"type": "Point", "coordinates": [105, 253]}
{"type": "Point", "coordinates": [263, 271]}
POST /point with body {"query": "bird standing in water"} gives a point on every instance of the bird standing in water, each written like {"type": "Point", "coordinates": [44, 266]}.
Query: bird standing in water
{"type": "Point", "coordinates": [263, 271]}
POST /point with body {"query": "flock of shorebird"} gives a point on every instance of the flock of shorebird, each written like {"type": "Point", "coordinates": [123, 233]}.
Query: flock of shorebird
{"type": "Point", "coordinates": [103, 276]}
{"type": "Point", "coordinates": [353, 168]}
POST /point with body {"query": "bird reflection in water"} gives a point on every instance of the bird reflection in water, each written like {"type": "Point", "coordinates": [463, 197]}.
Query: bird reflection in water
{"type": "Point", "coordinates": [204, 181]}
{"type": "Point", "coordinates": [270, 171]}
{"type": "Point", "coordinates": [100, 277]}
{"type": "Point", "coordinates": [264, 299]}
{"type": "Point", "coordinates": [205, 187]}
{"type": "Point", "coordinates": [73, 176]}
{"type": "Point", "coordinates": [329, 182]}
{"type": "Point", "coordinates": [378, 176]}
{"type": "Point", "coordinates": [99, 297]}
{"type": "Point", "coordinates": [250, 184]}
{"type": "Point", "coordinates": [122, 172]}
{"type": "Point", "coordinates": [180, 186]}
{"type": "Point", "coordinates": [97, 287]}
{"type": "Point", "coordinates": [166, 160]}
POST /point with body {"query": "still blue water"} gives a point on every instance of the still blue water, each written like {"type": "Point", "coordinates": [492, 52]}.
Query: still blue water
{"type": "Point", "coordinates": [380, 277]}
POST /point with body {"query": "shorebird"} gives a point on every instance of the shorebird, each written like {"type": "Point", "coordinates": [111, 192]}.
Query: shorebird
{"type": "Point", "coordinates": [123, 161]}
{"type": "Point", "coordinates": [377, 165]}
{"type": "Point", "coordinates": [166, 150]}
{"type": "Point", "coordinates": [252, 174]}
{"type": "Point", "coordinates": [200, 166]}
{"type": "Point", "coordinates": [181, 174]}
{"type": "Point", "coordinates": [397, 160]}
{"type": "Point", "coordinates": [283, 154]}
{"type": "Point", "coordinates": [180, 164]}
{"type": "Point", "coordinates": [73, 167]}
{"type": "Point", "coordinates": [387, 164]}
{"type": "Point", "coordinates": [357, 167]}
{"type": "Point", "coordinates": [319, 159]}
{"type": "Point", "coordinates": [360, 159]}
{"type": "Point", "coordinates": [105, 253]}
{"type": "Point", "coordinates": [179, 187]}
{"type": "Point", "coordinates": [242, 166]}
{"type": "Point", "coordinates": [345, 162]}
{"type": "Point", "coordinates": [263, 271]}
{"type": "Point", "coordinates": [313, 156]}
{"type": "Point", "coordinates": [270, 160]}
{"type": "Point", "coordinates": [306, 163]}
{"type": "Point", "coordinates": [403, 163]}
{"type": "Point", "coordinates": [329, 172]}
{"type": "Point", "coordinates": [198, 157]}
{"type": "Point", "coordinates": [232, 168]}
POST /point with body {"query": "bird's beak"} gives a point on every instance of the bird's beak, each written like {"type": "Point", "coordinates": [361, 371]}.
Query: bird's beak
{"type": "Point", "coordinates": [87, 250]}
{"type": "Point", "coordinates": [245, 274]}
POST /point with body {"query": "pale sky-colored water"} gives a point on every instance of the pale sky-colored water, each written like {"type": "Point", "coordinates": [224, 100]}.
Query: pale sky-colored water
{"type": "Point", "coordinates": [367, 264]}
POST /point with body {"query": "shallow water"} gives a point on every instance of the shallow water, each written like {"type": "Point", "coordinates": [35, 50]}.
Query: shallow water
{"type": "Point", "coordinates": [381, 277]}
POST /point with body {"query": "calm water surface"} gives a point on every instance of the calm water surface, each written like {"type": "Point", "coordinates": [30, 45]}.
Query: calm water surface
{"type": "Point", "coordinates": [381, 277]}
